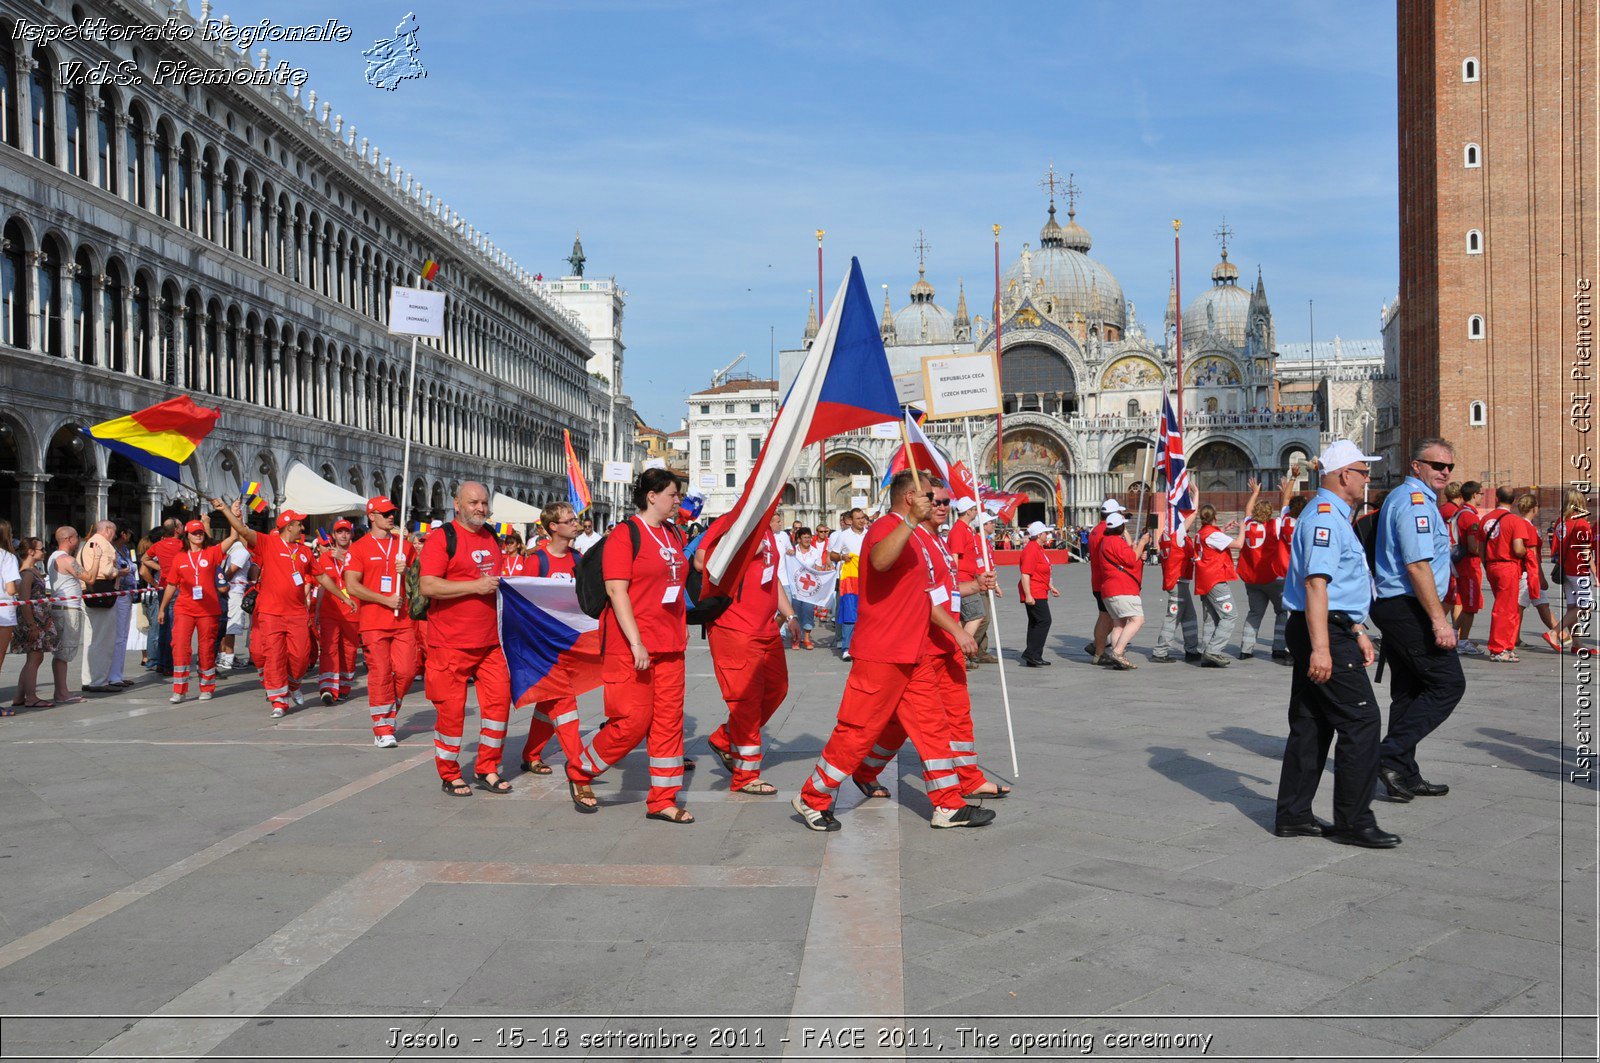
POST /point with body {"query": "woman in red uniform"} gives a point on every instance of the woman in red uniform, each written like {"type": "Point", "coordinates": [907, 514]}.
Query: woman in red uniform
{"type": "Point", "coordinates": [338, 633]}
{"type": "Point", "coordinates": [192, 582]}
{"type": "Point", "coordinates": [1122, 572]}
{"type": "Point", "coordinates": [643, 635]}
{"type": "Point", "coordinates": [1035, 589]}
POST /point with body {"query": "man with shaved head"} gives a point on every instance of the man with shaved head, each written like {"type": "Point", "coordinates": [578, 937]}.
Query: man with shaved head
{"type": "Point", "coordinates": [460, 574]}
{"type": "Point", "coordinates": [98, 559]}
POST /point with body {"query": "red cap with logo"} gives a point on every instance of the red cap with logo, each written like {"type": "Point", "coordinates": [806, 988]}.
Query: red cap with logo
{"type": "Point", "coordinates": [381, 504]}
{"type": "Point", "coordinates": [343, 525]}
{"type": "Point", "coordinates": [194, 526]}
{"type": "Point", "coordinates": [289, 515]}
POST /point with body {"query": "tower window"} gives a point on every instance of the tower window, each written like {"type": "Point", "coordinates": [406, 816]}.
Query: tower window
{"type": "Point", "coordinates": [1473, 156]}
{"type": "Point", "coordinates": [1469, 69]}
{"type": "Point", "coordinates": [1475, 327]}
{"type": "Point", "coordinates": [1474, 242]}
{"type": "Point", "coordinates": [1475, 415]}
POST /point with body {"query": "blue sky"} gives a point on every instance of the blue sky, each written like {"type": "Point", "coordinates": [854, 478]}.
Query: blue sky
{"type": "Point", "coordinates": [698, 145]}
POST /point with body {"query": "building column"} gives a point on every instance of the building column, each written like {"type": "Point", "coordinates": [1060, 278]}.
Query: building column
{"type": "Point", "coordinates": [38, 322]}
{"type": "Point", "coordinates": [150, 506]}
{"type": "Point", "coordinates": [30, 496]}
{"type": "Point", "coordinates": [96, 501]}
{"type": "Point", "coordinates": [23, 85]}
{"type": "Point", "coordinates": [71, 313]}
{"type": "Point", "coordinates": [59, 92]}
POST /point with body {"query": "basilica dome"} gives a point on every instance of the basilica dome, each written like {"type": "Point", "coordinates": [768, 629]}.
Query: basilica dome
{"type": "Point", "coordinates": [1061, 278]}
{"type": "Point", "coordinates": [1222, 311]}
{"type": "Point", "coordinates": [924, 321]}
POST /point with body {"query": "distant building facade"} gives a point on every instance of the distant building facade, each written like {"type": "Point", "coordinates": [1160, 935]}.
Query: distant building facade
{"type": "Point", "coordinates": [727, 425]}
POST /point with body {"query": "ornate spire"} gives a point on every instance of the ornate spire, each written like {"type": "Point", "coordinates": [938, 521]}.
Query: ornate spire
{"type": "Point", "coordinates": [961, 306]}
{"type": "Point", "coordinates": [922, 291]}
{"type": "Point", "coordinates": [1224, 272]}
{"type": "Point", "coordinates": [886, 323]}
{"type": "Point", "coordinates": [811, 317]}
{"type": "Point", "coordinates": [1169, 321]}
{"type": "Point", "coordinates": [576, 259]}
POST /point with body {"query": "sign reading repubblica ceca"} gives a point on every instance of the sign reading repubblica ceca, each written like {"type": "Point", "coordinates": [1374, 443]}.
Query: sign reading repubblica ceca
{"type": "Point", "coordinates": [960, 385]}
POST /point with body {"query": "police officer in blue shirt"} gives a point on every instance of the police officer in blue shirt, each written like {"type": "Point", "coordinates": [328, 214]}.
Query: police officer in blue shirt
{"type": "Point", "coordinates": [1327, 592]}
{"type": "Point", "coordinates": [1419, 641]}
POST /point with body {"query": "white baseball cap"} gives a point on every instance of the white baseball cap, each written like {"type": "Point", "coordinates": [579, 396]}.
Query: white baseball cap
{"type": "Point", "coordinates": [1037, 528]}
{"type": "Point", "coordinates": [1115, 520]}
{"type": "Point", "coordinates": [1342, 453]}
{"type": "Point", "coordinates": [1111, 505]}
{"type": "Point", "coordinates": [986, 518]}
{"type": "Point", "coordinates": [964, 504]}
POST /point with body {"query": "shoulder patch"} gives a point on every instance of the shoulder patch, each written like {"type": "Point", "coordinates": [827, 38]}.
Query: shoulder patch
{"type": "Point", "coordinates": [1322, 537]}
{"type": "Point", "coordinates": [1417, 499]}
{"type": "Point", "coordinates": [1324, 507]}
{"type": "Point", "coordinates": [1423, 527]}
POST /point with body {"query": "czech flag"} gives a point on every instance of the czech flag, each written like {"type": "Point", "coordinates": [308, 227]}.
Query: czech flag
{"type": "Point", "coordinates": [430, 270]}
{"type": "Point", "coordinates": [577, 489]}
{"type": "Point", "coordinates": [843, 384]}
{"type": "Point", "coordinates": [552, 646]}
{"type": "Point", "coordinates": [160, 437]}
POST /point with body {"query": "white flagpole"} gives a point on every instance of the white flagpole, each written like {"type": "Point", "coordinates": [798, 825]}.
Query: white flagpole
{"type": "Point", "coordinates": [405, 467]}
{"type": "Point", "coordinates": [994, 628]}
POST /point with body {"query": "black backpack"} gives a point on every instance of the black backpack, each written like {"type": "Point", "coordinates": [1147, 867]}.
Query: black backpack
{"type": "Point", "coordinates": [592, 583]}
{"type": "Point", "coordinates": [1366, 527]}
{"type": "Point", "coordinates": [416, 601]}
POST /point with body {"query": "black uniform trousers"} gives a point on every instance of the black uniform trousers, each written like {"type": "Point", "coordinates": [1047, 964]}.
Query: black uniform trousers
{"type": "Point", "coordinates": [1038, 628]}
{"type": "Point", "coordinates": [1425, 685]}
{"type": "Point", "coordinates": [1345, 705]}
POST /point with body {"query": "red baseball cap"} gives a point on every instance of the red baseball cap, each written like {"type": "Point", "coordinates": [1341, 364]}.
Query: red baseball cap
{"type": "Point", "coordinates": [194, 526]}
{"type": "Point", "coordinates": [289, 515]}
{"type": "Point", "coordinates": [381, 504]}
{"type": "Point", "coordinates": [343, 525]}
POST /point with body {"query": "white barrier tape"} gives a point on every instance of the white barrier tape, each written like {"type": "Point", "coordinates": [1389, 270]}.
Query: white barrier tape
{"type": "Point", "coordinates": [71, 598]}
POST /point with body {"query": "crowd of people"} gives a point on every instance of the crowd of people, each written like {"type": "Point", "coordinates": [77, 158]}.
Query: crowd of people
{"type": "Point", "coordinates": [909, 611]}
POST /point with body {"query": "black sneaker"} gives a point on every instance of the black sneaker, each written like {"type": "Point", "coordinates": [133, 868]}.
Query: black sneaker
{"type": "Point", "coordinates": [814, 820]}
{"type": "Point", "coordinates": [965, 816]}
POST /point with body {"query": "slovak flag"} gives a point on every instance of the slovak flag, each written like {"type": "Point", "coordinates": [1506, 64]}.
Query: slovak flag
{"type": "Point", "coordinates": [552, 646]}
{"type": "Point", "coordinates": [843, 384]}
{"type": "Point", "coordinates": [1169, 459]}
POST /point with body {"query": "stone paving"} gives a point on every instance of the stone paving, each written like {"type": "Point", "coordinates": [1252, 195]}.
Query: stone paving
{"type": "Point", "coordinates": [200, 881]}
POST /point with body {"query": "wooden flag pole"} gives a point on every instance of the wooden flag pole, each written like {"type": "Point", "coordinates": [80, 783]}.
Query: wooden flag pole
{"type": "Point", "coordinates": [994, 628]}
{"type": "Point", "coordinates": [911, 459]}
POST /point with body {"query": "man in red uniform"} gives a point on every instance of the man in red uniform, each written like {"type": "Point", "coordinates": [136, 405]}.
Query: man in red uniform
{"type": "Point", "coordinates": [1466, 540]}
{"type": "Point", "coordinates": [1506, 538]}
{"type": "Point", "coordinates": [1259, 568]}
{"type": "Point", "coordinates": [338, 630]}
{"type": "Point", "coordinates": [375, 576]}
{"type": "Point", "coordinates": [1102, 620]}
{"type": "Point", "coordinates": [897, 598]}
{"type": "Point", "coordinates": [281, 644]}
{"type": "Point", "coordinates": [464, 642]}
{"type": "Point", "coordinates": [1177, 579]}
{"type": "Point", "coordinates": [190, 589]}
{"type": "Point", "coordinates": [556, 559]}
{"type": "Point", "coordinates": [945, 660]}
{"type": "Point", "coordinates": [747, 654]}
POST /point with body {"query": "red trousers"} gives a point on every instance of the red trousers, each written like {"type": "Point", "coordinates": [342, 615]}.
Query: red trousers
{"type": "Point", "coordinates": [338, 637]}
{"type": "Point", "coordinates": [646, 706]}
{"type": "Point", "coordinates": [1467, 585]}
{"type": "Point", "coordinates": [950, 673]}
{"type": "Point", "coordinates": [754, 677]}
{"type": "Point", "coordinates": [282, 646]}
{"type": "Point", "coordinates": [1505, 621]}
{"type": "Point", "coordinates": [559, 717]}
{"type": "Point", "coordinates": [184, 628]}
{"type": "Point", "coordinates": [873, 695]}
{"type": "Point", "coordinates": [391, 669]}
{"type": "Point", "coordinates": [446, 686]}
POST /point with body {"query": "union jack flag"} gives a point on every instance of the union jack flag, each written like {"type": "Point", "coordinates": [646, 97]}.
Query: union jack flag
{"type": "Point", "coordinates": [1169, 459]}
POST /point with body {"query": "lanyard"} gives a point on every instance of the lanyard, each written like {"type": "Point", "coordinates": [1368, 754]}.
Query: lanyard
{"type": "Point", "coordinates": [194, 565]}
{"type": "Point", "coordinates": [669, 554]}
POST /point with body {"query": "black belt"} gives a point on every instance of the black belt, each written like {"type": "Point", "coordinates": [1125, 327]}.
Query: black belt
{"type": "Point", "coordinates": [1336, 618]}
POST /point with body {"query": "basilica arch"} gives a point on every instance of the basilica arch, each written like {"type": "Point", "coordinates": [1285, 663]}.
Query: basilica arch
{"type": "Point", "coordinates": [1221, 464]}
{"type": "Point", "coordinates": [1039, 373]}
{"type": "Point", "coordinates": [842, 464]}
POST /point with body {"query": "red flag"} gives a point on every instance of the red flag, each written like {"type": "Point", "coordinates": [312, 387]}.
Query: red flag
{"type": "Point", "coordinates": [962, 483]}
{"type": "Point", "coordinates": [924, 452]}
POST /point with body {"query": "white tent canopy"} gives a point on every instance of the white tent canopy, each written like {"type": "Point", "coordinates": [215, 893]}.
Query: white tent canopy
{"type": "Point", "coordinates": [308, 493]}
{"type": "Point", "coordinates": [503, 509]}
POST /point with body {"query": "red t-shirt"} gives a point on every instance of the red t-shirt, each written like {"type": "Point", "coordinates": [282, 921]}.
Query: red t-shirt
{"type": "Point", "coordinates": [1509, 526]}
{"type": "Point", "coordinates": [1468, 531]}
{"type": "Point", "coordinates": [1096, 570]}
{"type": "Point", "coordinates": [1036, 566]}
{"type": "Point", "coordinates": [1124, 570]}
{"type": "Point", "coordinates": [469, 622]}
{"type": "Point", "coordinates": [656, 583]}
{"type": "Point", "coordinates": [1258, 554]}
{"type": "Point", "coordinates": [892, 622]}
{"type": "Point", "coordinates": [942, 592]}
{"type": "Point", "coordinates": [379, 562]}
{"type": "Point", "coordinates": [1176, 562]}
{"type": "Point", "coordinates": [285, 574]}
{"type": "Point", "coordinates": [195, 568]}
{"type": "Point", "coordinates": [1576, 538]}
{"type": "Point", "coordinates": [163, 551]}
{"type": "Point", "coordinates": [755, 600]}
{"type": "Point", "coordinates": [563, 567]}
{"type": "Point", "coordinates": [963, 546]}
{"type": "Point", "coordinates": [333, 566]}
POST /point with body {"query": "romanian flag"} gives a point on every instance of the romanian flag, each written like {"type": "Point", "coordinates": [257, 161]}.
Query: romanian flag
{"type": "Point", "coordinates": [422, 527]}
{"type": "Point", "coordinates": [577, 490]}
{"type": "Point", "coordinates": [253, 488]}
{"type": "Point", "coordinates": [160, 437]}
{"type": "Point", "coordinates": [503, 529]}
{"type": "Point", "coordinates": [322, 534]}
{"type": "Point", "coordinates": [430, 270]}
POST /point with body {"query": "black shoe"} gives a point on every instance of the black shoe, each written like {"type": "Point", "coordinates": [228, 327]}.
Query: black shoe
{"type": "Point", "coordinates": [1089, 650]}
{"type": "Point", "coordinates": [1162, 658]}
{"type": "Point", "coordinates": [1372, 837]}
{"type": "Point", "coordinates": [1026, 663]}
{"type": "Point", "coordinates": [1311, 828]}
{"type": "Point", "coordinates": [1191, 657]}
{"type": "Point", "coordinates": [965, 816]}
{"type": "Point", "coordinates": [1421, 787]}
{"type": "Point", "coordinates": [1243, 656]}
{"type": "Point", "coordinates": [1042, 663]}
{"type": "Point", "coordinates": [1281, 655]}
{"type": "Point", "coordinates": [1394, 786]}
{"type": "Point", "coordinates": [327, 699]}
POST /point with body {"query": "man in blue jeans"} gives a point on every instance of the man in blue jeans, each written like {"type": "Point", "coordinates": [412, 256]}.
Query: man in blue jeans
{"type": "Point", "coordinates": [156, 560]}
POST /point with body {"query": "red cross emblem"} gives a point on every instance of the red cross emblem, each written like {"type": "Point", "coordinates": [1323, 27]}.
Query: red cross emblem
{"type": "Point", "coordinates": [806, 581]}
{"type": "Point", "coordinates": [1255, 535]}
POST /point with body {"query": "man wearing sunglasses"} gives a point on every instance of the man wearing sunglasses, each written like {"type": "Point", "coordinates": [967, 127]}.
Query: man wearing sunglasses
{"type": "Point", "coordinates": [1412, 573]}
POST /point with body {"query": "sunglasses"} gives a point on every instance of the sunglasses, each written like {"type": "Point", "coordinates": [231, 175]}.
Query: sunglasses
{"type": "Point", "coordinates": [1438, 466]}
{"type": "Point", "coordinates": [941, 501]}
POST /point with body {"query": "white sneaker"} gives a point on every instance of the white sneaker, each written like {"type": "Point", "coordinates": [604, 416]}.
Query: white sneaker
{"type": "Point", "coordinates": [176, 699]}
{"type": "Point", "coordinates": [225, 661]}
{"type": "Point", "coordinates": [299, 699]}
{"type": "Point", "coordinates": [276, 714]}
{"type": "Point", "coordinates": [206, 695]}
{"type": "Point", "coordinates": [385, 741]}
{"type": "Point", "coordinates": [1468, 647]}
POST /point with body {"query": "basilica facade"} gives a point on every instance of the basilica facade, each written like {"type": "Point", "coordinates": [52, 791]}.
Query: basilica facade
{"type": "Point", "coordinates": [1083, 382]}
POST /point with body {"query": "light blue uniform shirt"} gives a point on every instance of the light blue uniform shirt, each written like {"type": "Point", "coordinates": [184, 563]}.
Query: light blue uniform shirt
{"type": "Point", "coordinates": [1325, 544]}
{"type": "Point", "coordinates": [1410, 529]}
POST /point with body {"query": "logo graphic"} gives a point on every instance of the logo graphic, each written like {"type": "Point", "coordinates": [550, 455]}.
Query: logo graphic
{"type": "Point", "coordinates": [395, 60]}
{"type": "Point", "coordinates": [806, 582]}
{"type": "Point", "coordinates": [1321, 538]}
{"type": "Point", "coordinates": [1417, 499]}
{"type": "Point", "coordinates": [1422, 525]}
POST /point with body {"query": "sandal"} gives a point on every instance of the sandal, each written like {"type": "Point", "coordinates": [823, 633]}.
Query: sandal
{"type": "Point", "coordinates": [536, 767]}
{"type": "Point", "coordinates": [672, 815]}
{"type": "Point", "coordinates": [8, 711]}
{"type": "Point", "coordinates": [582, 794]}
{"type": "Point", "coordinates": [71, 699]}
{"type": "Point", "coordinates": [871, 790]}
{"type": "Point", "coordinates": [725, 755]}
{"type": "Point", "coordinates": [1000, 793]}
{"type": "Point", "coordinates": [499, 786]}
{"type": "Point", "coordinates": [758, 788]}
{"type": "Point", "coordinates": [456, 787]}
